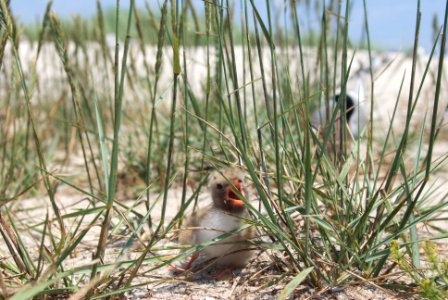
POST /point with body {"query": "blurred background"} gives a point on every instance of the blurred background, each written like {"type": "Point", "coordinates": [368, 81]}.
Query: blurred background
{"type": "Point", "coordinates": [390, 21]}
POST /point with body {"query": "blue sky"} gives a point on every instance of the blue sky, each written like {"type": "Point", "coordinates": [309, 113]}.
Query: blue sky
{"type": "Point", "coordinates": [392, 22]}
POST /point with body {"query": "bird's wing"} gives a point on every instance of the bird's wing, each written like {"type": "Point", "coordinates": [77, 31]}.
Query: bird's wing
{"type": "Point", "coordinates": [188, 233]}
{"type": "Point", "coordinates": [188, 236]}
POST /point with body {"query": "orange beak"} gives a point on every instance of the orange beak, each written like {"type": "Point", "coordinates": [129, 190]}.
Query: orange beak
{"type": "Point", "coordinates": [232, 199]}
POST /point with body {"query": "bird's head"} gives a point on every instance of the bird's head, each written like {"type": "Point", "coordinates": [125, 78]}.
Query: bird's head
{"type": "Point", "coordinates": [350, 105]}
{"type": "Point", "coordinates": [227, 188]}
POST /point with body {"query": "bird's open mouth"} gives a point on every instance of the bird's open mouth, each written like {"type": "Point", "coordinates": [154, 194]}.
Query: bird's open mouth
{"type": "Point", "coordinates": [233, 199]}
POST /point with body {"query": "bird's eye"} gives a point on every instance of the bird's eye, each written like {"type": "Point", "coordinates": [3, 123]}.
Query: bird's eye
{"type": "Point", "coordinates": [219, 186]}
{"type": "Point", "coordinates": [240, 180]}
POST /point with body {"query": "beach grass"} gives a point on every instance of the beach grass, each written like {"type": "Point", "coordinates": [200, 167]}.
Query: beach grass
{"type": "Point", "coordinates": [129, 117]}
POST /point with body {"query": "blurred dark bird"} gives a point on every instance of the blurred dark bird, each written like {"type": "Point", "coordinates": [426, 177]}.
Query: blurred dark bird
{"type": "Point", "coordinates": [355, 114]}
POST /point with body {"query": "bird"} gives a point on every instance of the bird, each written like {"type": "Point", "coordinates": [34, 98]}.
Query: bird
{"type": "Point", "coordinates": [355, 112]}
{"type": "Point", "coordinates": [225, 213]}
{"type": "Point", "coordinates": [355, 121]}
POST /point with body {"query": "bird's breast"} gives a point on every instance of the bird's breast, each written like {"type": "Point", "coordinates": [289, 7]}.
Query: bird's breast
{"type": "Point", "coordinates": [215, 224]}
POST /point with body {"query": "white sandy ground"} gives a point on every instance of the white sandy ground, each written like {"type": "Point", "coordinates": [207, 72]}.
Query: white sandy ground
{"type": "Point", "coordinates": [389, 71]}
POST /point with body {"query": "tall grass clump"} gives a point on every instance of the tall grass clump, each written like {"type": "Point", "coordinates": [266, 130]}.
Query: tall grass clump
{"type": "Point", "coordinates": [106, 143]}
